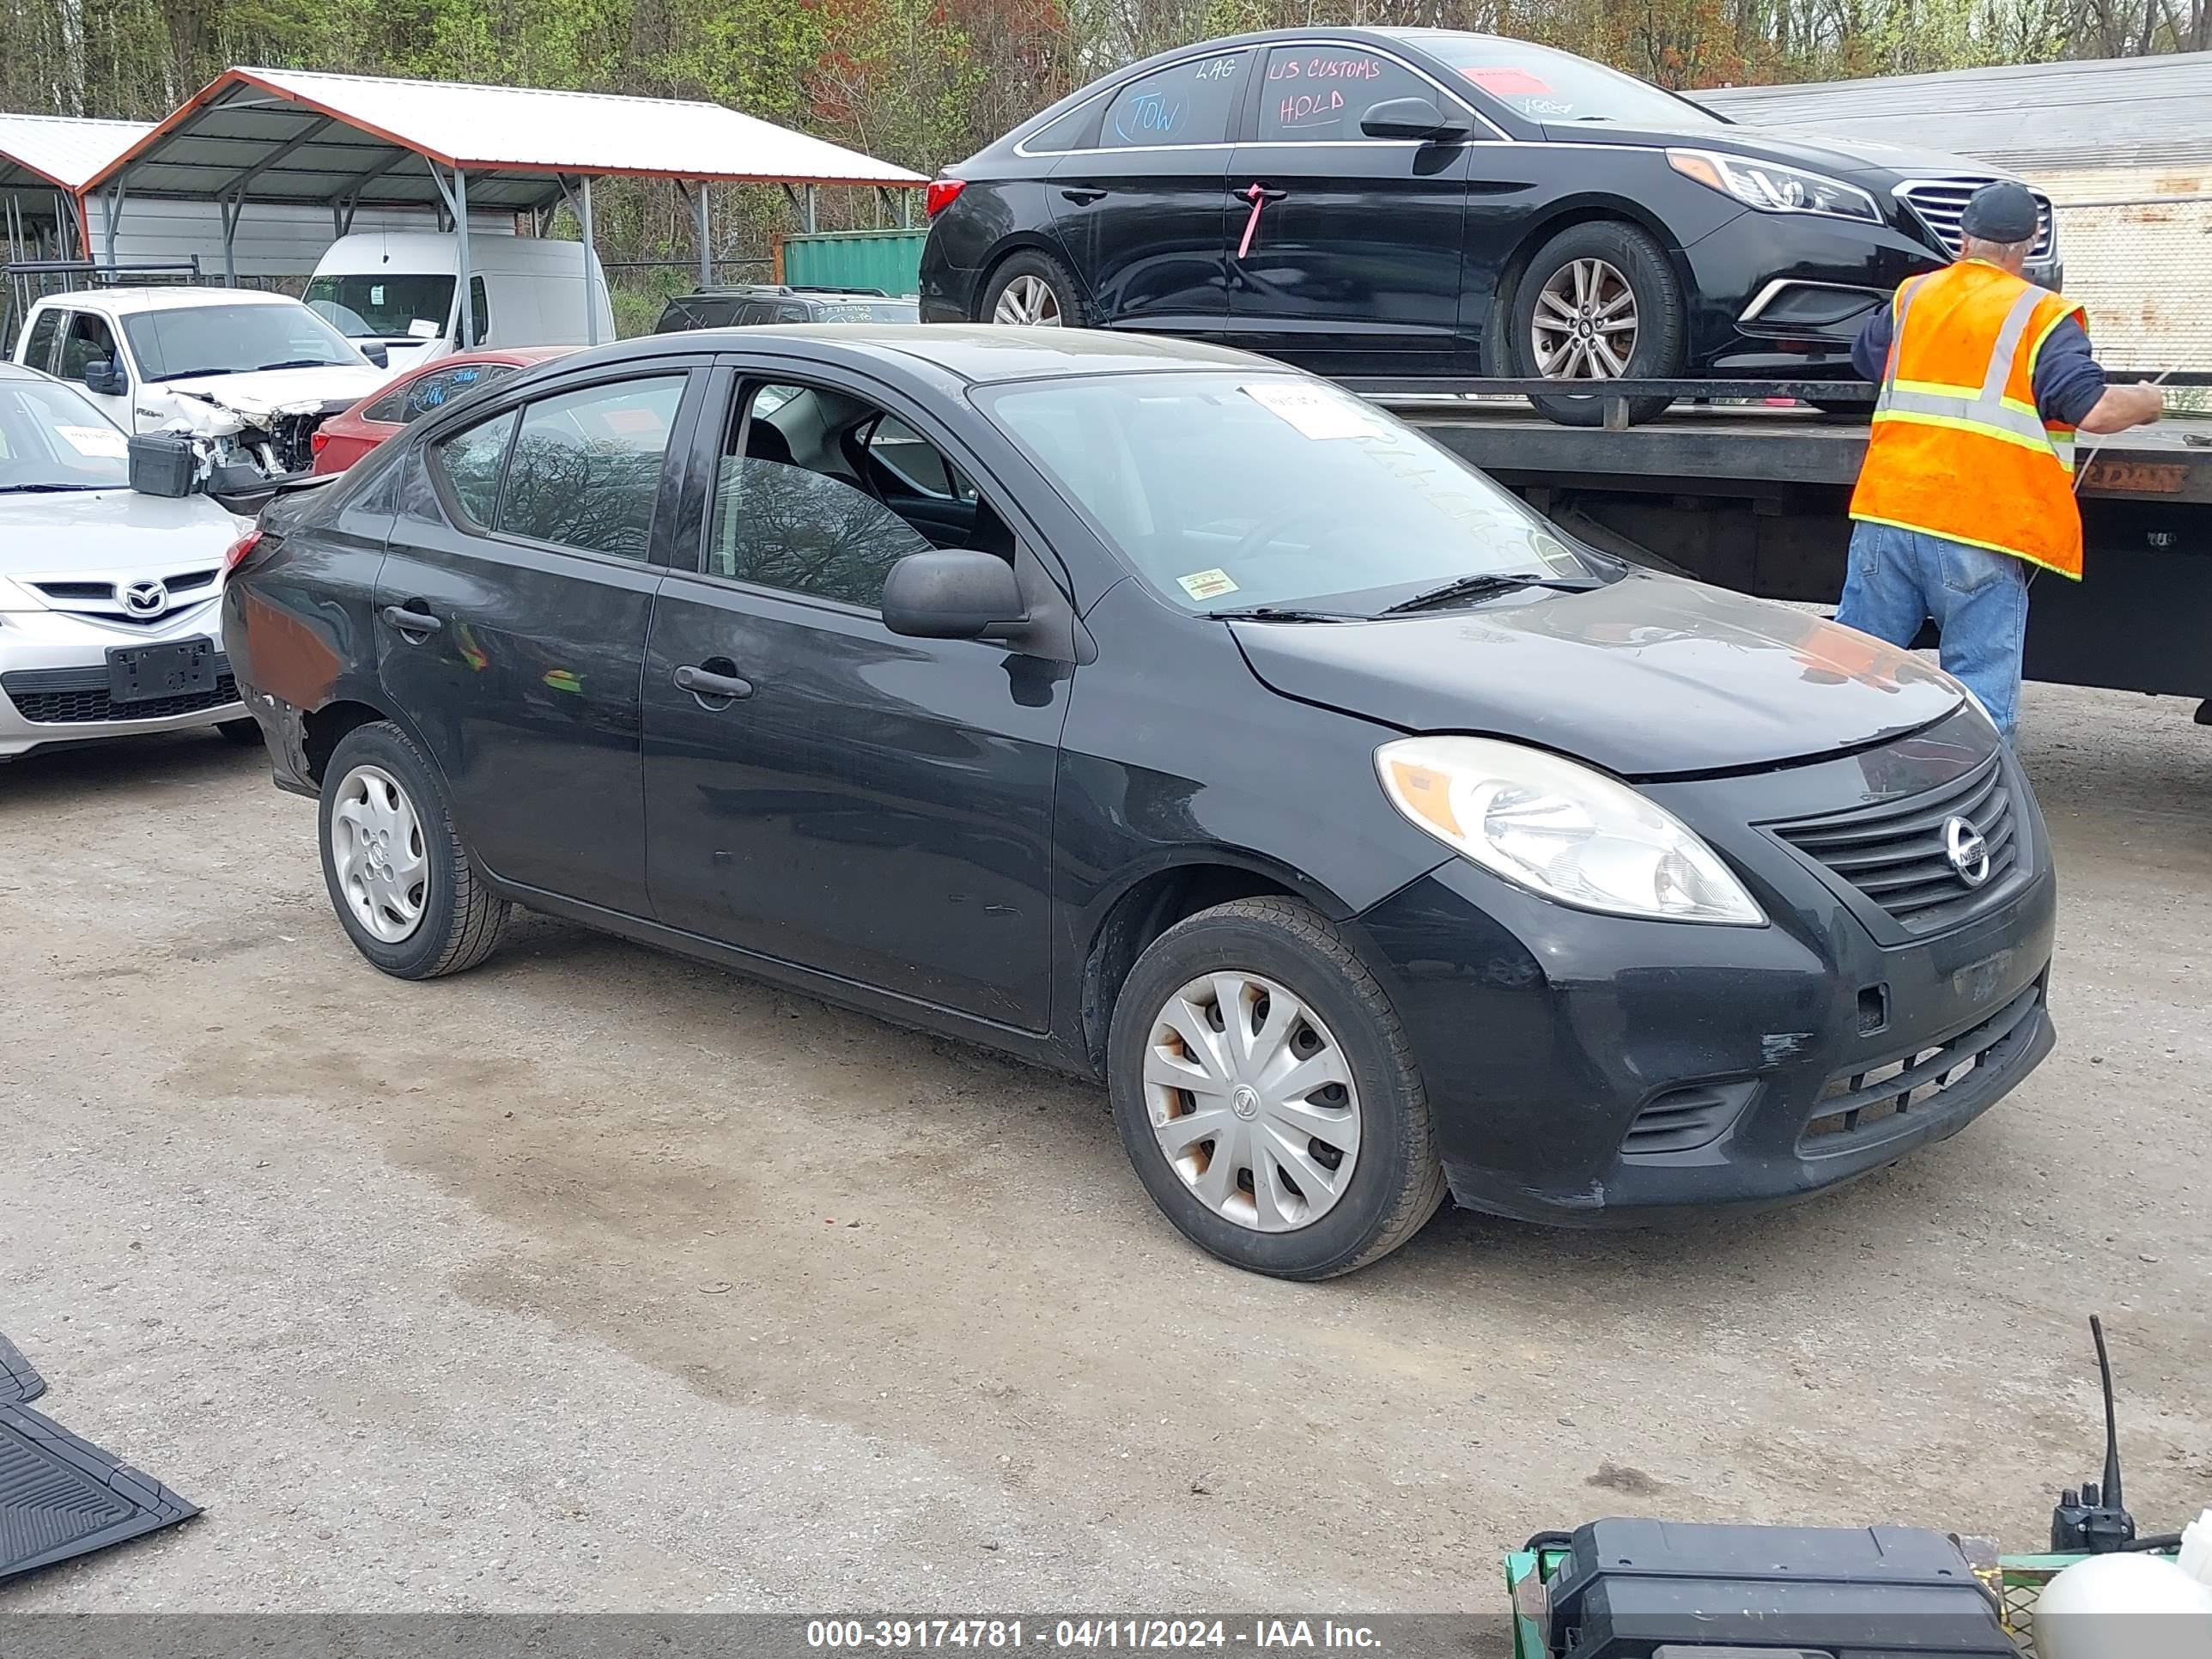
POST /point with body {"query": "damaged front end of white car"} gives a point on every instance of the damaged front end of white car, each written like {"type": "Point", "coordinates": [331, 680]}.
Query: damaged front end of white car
{"type": "Point", "coordinates": [233, 447]}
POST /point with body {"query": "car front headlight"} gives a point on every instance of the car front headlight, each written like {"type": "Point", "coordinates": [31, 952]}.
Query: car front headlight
{"type": "Point", "coordinates": [1772, 188]}
{"type": "Point", "coordinates": [1560, 830]}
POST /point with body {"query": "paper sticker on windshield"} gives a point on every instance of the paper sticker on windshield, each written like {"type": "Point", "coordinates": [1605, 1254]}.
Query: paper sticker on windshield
{"type": "Point", "coordinates": [103, 441]}
{"type": "Point", "coordinates": [421, 329]}
{"type": "Point", "coordinates": [1507, 83]}
{"type": "Point", "coordinates": [1206, 584]}
{"type": "Point", "coordinates": [1317, 413]}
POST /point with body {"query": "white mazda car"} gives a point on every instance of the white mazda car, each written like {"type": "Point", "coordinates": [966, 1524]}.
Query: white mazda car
{"type": "Point", "coordinates": [109, 619]}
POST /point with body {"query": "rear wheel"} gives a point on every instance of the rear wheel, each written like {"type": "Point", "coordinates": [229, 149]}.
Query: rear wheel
{"type": "Point", "coordinates": [1598, 302]}
{"type": "Point", "coordinates": [1033, 290]}
{"type": "Point", "coordinates": [399, 878]}
{"type": "Point", "coordinates": [1266, 1094]}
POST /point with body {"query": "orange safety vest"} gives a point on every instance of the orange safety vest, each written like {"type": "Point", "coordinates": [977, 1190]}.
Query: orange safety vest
{"type": "Point", "coordinates": [1958, 449]}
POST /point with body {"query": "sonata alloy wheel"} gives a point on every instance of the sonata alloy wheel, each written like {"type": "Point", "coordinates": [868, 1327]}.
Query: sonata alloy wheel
{"type": "Point", "coordinates": [1252, 1099]}
{"type": "Point", "coordinates": [377, 854]}
{"type": "Point", "coordinates": [1585, 323]}
{"type": "Point", "coordinates": [1029, 301]}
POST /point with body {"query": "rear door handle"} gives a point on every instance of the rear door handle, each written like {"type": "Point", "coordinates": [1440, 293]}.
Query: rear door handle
{"type": "Point", "coordinates": [1258, 196]}
{"type": "Point", "coordinates": [1083, 196]}
{"type": "Point", "coordinates": [703, 684]}
{"type": "Point", "coordinates": [416, 624]}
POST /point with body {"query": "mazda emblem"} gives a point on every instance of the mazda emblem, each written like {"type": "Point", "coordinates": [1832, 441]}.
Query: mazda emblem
{"type": "Point", "coordinates": [1968, 852]}
{"type": "Point", "coordinates": [148, 598]}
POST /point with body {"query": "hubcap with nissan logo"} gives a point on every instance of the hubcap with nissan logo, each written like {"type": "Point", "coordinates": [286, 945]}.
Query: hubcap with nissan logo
{"type": "Point", "coordinates": [1967, 850]}
{"type": "Point", "coordinates": [148, 598]}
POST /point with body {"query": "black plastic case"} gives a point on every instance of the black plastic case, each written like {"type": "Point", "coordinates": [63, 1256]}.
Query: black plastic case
{"type": "Point", "coordinates": [1634, 1587]}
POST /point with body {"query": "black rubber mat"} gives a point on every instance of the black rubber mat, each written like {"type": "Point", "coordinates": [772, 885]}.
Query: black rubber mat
{"type": "Point", "coordinates": [61, 1497]}
{"type": "Point", "coordinates": [19, 1384]}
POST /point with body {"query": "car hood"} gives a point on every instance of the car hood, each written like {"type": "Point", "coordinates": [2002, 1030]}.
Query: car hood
{"type": "Point", "coordinates": [112, 532]}
{"type": "Point", "coordinates": [1648, 677]}
{"type": "Point", "coordinates": [1821, 152]}
{"type": "Point", "coordinates": [280, 390]}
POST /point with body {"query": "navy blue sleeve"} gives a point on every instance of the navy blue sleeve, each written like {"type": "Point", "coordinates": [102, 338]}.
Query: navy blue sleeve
{"type": "Point", "coordinates": [2068, 382]}
{"type": "Point", "coordinates": [1871, 349]}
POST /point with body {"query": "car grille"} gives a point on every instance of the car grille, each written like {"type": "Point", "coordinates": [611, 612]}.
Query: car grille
{"type": "Point", "coordinates": [1867, 1104]}
{"type": "Point", "coordinates": [102, 601]}
{"type": "Point", "coordinates": [78, 697]}
{"type": "Point", "coordinates": [1896, 854]}
{"type": "Point", "coordinates": [1939, 203]}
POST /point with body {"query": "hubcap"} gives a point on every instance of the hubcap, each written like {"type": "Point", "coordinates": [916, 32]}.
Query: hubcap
{"type": "Point", "coordinates": [376, 848]}
{"type": "Point", "coordinates": [1252, 1102]}
{"type": "Point", "coordinates": [1029, 301]}
{"type": "Point", "coordinates": [1585, 328]}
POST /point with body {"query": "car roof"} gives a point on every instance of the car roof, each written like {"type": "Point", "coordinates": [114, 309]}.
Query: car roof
{"type": "Point", "coordinates": [975, 353]}
{"type": "Point", "coordinates": [126, 300]}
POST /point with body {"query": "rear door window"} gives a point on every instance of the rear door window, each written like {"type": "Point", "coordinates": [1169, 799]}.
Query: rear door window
{"type": "Point", "coordinates": [437, 389]}
{"type": "Point", "coordinates": [1321, 92]}
{"type": "Point", "coordinates": [1189, 103]}
{"type": "Point", "coordinates": [469, 462]}
{"type": "Point", "coordinates": [39, 353]}
{"type": "Point", "coordinates": [585, 470]}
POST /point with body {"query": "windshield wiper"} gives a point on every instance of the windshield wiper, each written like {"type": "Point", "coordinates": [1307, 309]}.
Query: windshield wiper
{"type": "Point", "coordinates": [297, 362]}
{"type": "Point", "coordinates": [194, 374]}
{"type": "Point", "coordinates": [1466, 590]}
{"type": "Point", "coordinates": [1283, 613]}
{"type": "Point", "coordinates": [51, 489]}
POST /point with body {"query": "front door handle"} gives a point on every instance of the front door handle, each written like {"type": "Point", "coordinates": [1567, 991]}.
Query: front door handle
{"type": "Point", "coordinates": [714, 691]}
{"type": "Point", "coordinates": [1083, 196]}
{"type": "Point", "coordinates": [418, 625]}
{"type": "Point", "coordinates": [1258, 196]}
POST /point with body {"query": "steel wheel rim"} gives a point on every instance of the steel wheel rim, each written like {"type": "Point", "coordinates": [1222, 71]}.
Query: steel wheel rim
{"type": "Point", "coordinates": [1028, 302]}
{"type": "Point", "coordinates": [377, 852]}
{"type": "Point", "coordinates": [1251, 1099]}
{"type": "Point", "coordinates": [1586, 323]}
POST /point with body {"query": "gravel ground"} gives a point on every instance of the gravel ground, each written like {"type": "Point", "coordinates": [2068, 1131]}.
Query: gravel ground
{"type": "Point", "coordinates": [598, 1279]}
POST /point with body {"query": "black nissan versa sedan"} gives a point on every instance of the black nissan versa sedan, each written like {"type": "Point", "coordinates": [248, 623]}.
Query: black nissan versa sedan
{"type": "Point", "coordinates": [1164, 714]}
{"type": "Point", "coordinates": [1420, 202]}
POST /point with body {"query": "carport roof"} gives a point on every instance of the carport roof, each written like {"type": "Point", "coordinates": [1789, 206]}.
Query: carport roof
{"type": "Point", "coordinates": [291, 135]}
{"type": "Point", "coordinates": [60, 152]}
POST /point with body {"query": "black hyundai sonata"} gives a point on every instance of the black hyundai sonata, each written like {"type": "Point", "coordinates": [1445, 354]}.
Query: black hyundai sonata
{"type": "Point", "coordinates": [1160, 713]}
{"type": "Point", "coordinates": [1423, 202]}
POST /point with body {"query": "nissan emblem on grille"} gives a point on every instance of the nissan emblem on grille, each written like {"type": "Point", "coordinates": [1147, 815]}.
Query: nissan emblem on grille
{"type": "Point", "coordinates": [148, 598]}
{"type": "Point", "coordinates": [1968, 852]}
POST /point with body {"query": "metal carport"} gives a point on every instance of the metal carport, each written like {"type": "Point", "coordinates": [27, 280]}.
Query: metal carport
{"type": "Point", "coordinates": [46, 162]}
{"type": "Point", "coordinates": [346, 141]}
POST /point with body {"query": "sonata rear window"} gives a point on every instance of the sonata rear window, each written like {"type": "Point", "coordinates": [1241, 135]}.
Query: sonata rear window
{"type": "Point", "coordinates": [1244, 490]}
{"type": "Point", "coordinates": [1540, 84]}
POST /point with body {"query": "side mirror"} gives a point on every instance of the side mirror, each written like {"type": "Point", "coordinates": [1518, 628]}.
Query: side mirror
{"type": "Point", "coordinates": [1413, 118]}
{"type": "Point", "coordinates": [956, 594]}
{"type": "Point", "coordinates": [377, 353]}
{"type": "Point", "coordinates": [102, 375]}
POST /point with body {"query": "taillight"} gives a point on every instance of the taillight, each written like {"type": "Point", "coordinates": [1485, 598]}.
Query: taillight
{"type": "Point", "coordinates": [319, 443]}
{"type": "Point", "coordinates": [239, 549]}
{"type": "Point", "coordinates": [941, 195]}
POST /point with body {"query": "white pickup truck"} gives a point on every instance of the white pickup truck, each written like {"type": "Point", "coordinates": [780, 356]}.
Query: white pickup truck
{"type": "Point", "coordinates": [252, 375]}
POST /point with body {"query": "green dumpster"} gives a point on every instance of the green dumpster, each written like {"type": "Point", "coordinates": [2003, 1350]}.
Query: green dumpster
{"type": "Point", "coordinates": [886, 259]}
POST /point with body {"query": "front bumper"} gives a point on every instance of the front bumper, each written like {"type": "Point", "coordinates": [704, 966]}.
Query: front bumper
{"type": "Point", "coordinates": [53, 679]}
{"type": "Point", "coordinates": [1589, 1070]}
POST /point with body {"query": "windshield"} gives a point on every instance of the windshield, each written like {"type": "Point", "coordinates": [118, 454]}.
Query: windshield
{"type": "Point", "coordinates": [52, 438]}
{"type": "Point", "coordinates": [384, 307]}
{"type": "Point", "coordinates": [882, 311]}
{"type": "Point", "coordinates": [1544, 85]}
{"type": "Point", "coordinates": [176, 344]}
{"type": "Point", "coordinates": [1231, 491]}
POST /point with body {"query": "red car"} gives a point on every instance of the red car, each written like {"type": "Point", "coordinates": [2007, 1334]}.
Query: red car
{"type": "Point", "coordinates": [348, 436]}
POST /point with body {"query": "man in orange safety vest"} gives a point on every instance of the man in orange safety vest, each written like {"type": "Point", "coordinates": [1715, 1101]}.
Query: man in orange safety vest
{"type": "Point", "coordinates": [1984, 379]}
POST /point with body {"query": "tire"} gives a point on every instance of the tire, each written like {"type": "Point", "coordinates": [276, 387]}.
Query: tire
{"type": "Point", "coordinates": [1340, 1021]}
{"type": "Point", "coordinates": [1031, 274]}
{"type": "Point", "coordinates": [241, 732]}
{"type": "Point", "coordinates": [1634, 260]}
{"type": "Point", "coordinates": [457, 920]}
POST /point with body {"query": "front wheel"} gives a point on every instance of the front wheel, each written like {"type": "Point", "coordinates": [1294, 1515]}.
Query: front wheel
{"type": "Point", "coordinates": [401, 882]}
{"type": "Point", "coordinates": [1599, 302]}
{"type": "Point", "coordinates": [1266, 1094]}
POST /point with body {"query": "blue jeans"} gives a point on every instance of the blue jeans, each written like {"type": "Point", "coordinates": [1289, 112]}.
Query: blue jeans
{"type": "Point", "coordinates": [1978, 601]}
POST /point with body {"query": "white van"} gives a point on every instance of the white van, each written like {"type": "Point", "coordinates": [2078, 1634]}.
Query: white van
{"type": "Point", "coordinates": [397, 287]}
